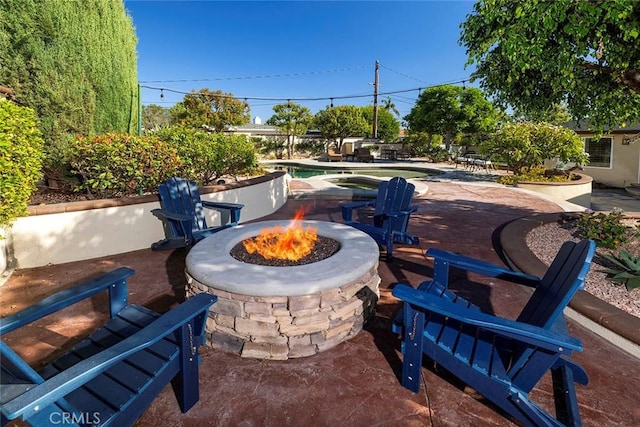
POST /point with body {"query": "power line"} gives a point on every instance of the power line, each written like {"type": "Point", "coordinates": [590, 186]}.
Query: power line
{"type": "Point", "coordinates": [402, 74]}
{"type": "Point", "coordinates": [267, 76]}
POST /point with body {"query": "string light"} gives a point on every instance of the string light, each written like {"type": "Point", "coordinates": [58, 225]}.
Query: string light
{"type": "Point", "coordinates": [320, 98]}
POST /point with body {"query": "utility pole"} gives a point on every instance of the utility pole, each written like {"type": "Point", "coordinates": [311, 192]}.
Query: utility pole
{"type": "Point", "coordinates": [139, 112]}
{"type": "Point", "coordinates": [375, 102]}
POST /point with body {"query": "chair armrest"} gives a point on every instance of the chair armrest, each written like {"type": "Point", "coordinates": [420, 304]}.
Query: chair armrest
{"type": "Point", "coordinates": [398, 214]}
{"type": "Point", "coordinates": [185, 221]}
{"type": "Point", "coordinates": [162, 214]}
{"type": "Point", "coordinates": [357, 205]}
{"type": "Point", "coordinates": [222, 205]}
{"type": "Point", "coordinates": [70, 379]}
{"type": "Point", "coordinates": [114, 281]}
{"type": "Point", "coordinates": [520, 331]}
{"type": "Point", "coordinates": [348, 208]}
{"type": "Point", "coordinates": [482, 267]}
{"type": "Point", "coordinates": [233, 208]}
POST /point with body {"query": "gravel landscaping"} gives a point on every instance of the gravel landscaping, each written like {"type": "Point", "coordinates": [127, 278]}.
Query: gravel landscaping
{"type": "Point", "coordinates": [545, 241]}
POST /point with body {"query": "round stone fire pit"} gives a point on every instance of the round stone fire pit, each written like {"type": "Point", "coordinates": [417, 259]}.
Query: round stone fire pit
{"type": "Point", "coordinates": [285, 312]}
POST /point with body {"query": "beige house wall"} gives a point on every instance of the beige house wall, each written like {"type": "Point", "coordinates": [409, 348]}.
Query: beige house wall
{"type": "Point", "coordinates": [624, 167]}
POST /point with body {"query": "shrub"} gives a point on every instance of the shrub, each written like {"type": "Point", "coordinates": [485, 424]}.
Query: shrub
{"type": "Point", "coordinates": [207, 157]}
{"type": "Point", "coordinates": [535, 175]}
{"type": "Point", "coordinates": [310, 148]}
{"type": "Point", "coordinates": [526, 145]}
{"type": "Point", "coordinates": [119, 164]}
{"type": "Point", "coordinates": [607, 230]}
{"type": "Point", "coordinates": [236, 155]}
{"type": "Point", "coordinates": [275, 146]}
{"type": "Point", "coordinates": [56, 166]}
{"type": "Point", "coordinates": [423, 144]}
{"type": "Point", "coordinates": [20, 160]}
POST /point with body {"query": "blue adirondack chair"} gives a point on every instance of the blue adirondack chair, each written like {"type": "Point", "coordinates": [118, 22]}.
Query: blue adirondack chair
{"type": "Point", "coordinates": [182, 214]}
{"type": "Point", "coordinates": [500, 358]}
{"type": "Point", "coordinates": [391, 211]}
{"type": "Point", "coordinates": [112, 376]}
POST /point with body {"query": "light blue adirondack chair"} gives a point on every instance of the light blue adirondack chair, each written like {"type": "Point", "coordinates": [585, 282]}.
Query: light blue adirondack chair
{"type": "Point", "coordinates": [111, 377]}
{"type": "Point", "coordinates": [182, 214]}
{"type": "Point", "coordinates": [391, 212]}
{"type": "Point", "coordinates": [500, 358]}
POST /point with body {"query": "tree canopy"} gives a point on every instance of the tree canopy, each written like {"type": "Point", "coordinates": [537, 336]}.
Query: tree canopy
{"type": "Point", "coordinates": [292, 120]}
{"type": "Point", "coordinates": [536, 54]}
{"type": "Point", "coordinates": [338, 123]}
{"type": "Point", "coordinates": [154, 117]}
{"type": "Point", "coordinates": [388, 125]}
{"type": "Point", "coordinates": [210, 108]}
{"type": "Point", "coordinates": [450, 110]}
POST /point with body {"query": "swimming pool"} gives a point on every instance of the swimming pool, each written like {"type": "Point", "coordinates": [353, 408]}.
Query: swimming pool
{"type": "Point", "coordinates": [297, 170]}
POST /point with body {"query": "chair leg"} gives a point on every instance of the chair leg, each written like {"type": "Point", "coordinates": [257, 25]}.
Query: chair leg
{"type": "Point", "coordinates": [564, 392]}
{"type": "Point", "coordinates": [412, 359]}
{"type": "Point", "coordinates": [188, 390]}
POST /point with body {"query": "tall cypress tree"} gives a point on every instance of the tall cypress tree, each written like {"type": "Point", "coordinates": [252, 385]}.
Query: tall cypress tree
{"type": "Point", "coordinates": [73, 62]}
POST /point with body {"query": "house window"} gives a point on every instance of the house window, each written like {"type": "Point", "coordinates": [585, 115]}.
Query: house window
{"type": "Point", "coordinates": [599, 151]}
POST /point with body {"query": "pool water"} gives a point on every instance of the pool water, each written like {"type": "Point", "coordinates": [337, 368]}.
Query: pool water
{"type": "Point", "coordinates": [354, 184]}
{"type": "Point", "coordinates": [305, 171]}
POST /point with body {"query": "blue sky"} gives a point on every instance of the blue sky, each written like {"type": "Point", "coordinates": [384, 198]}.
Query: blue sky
{"type": "Point", "coordinates": [301, 49]}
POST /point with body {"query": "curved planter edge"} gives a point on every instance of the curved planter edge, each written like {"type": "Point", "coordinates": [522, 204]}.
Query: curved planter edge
{"type": "Point", "coordinates": [608, 321]}
{"type": "Point", "coordinates": [577, 191]}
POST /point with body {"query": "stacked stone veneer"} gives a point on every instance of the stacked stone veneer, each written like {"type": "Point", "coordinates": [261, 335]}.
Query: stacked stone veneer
{"type": "Point", "coordinates": [283, 327]}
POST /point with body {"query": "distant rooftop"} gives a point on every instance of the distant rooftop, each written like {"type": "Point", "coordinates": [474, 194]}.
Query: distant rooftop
{"type": "Point", "coordinates": [583, 127]}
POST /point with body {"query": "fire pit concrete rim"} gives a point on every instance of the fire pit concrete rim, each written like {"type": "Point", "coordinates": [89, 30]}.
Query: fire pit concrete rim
{"type": "Point", "coordinates": [209, 262]}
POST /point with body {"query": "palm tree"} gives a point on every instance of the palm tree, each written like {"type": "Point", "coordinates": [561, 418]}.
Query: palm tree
{"type": "Point", "coordinates": [388, 105]}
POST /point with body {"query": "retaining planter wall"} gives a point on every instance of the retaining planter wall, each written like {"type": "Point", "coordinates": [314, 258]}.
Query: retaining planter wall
{"type": "Point", "coordinates": [65, 232]}
{"type": "Point", "coordinates": [577, 191]}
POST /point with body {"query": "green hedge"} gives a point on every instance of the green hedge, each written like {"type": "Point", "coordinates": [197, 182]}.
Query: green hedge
{"type": "Point", "coordinates": [119, 164]}
{"type": "Point", "coordinates": [207, 157]}
{"type": "Point", "coordinates": [20, 160]}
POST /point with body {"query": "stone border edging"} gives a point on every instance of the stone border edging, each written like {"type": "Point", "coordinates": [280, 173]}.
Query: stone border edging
{"type": "Point", "coordinates": [607, 319]}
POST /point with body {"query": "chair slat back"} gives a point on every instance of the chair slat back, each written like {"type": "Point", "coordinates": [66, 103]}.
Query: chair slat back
{"type": "Point", "coordinates": [393, 195]}
{"type": "Point", "coordinates": [565, 276]}
{"type": "Point", "coordinates": [180, 196]}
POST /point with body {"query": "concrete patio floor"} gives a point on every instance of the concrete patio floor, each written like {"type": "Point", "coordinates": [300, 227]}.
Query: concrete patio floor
{"type": "Point", "coordinates": [355, 383]}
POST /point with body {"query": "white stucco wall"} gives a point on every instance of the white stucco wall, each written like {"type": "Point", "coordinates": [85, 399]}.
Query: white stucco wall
{"type": "Point", "coordinates": [72, 236]}
{"type": "Point", "coordinates": [4, 256]}
{"type": "Point", "coordinates": [577, 192]}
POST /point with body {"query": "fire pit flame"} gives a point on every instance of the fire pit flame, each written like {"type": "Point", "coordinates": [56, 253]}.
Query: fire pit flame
{"type": "Point", "coordinates": [291, 243]}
